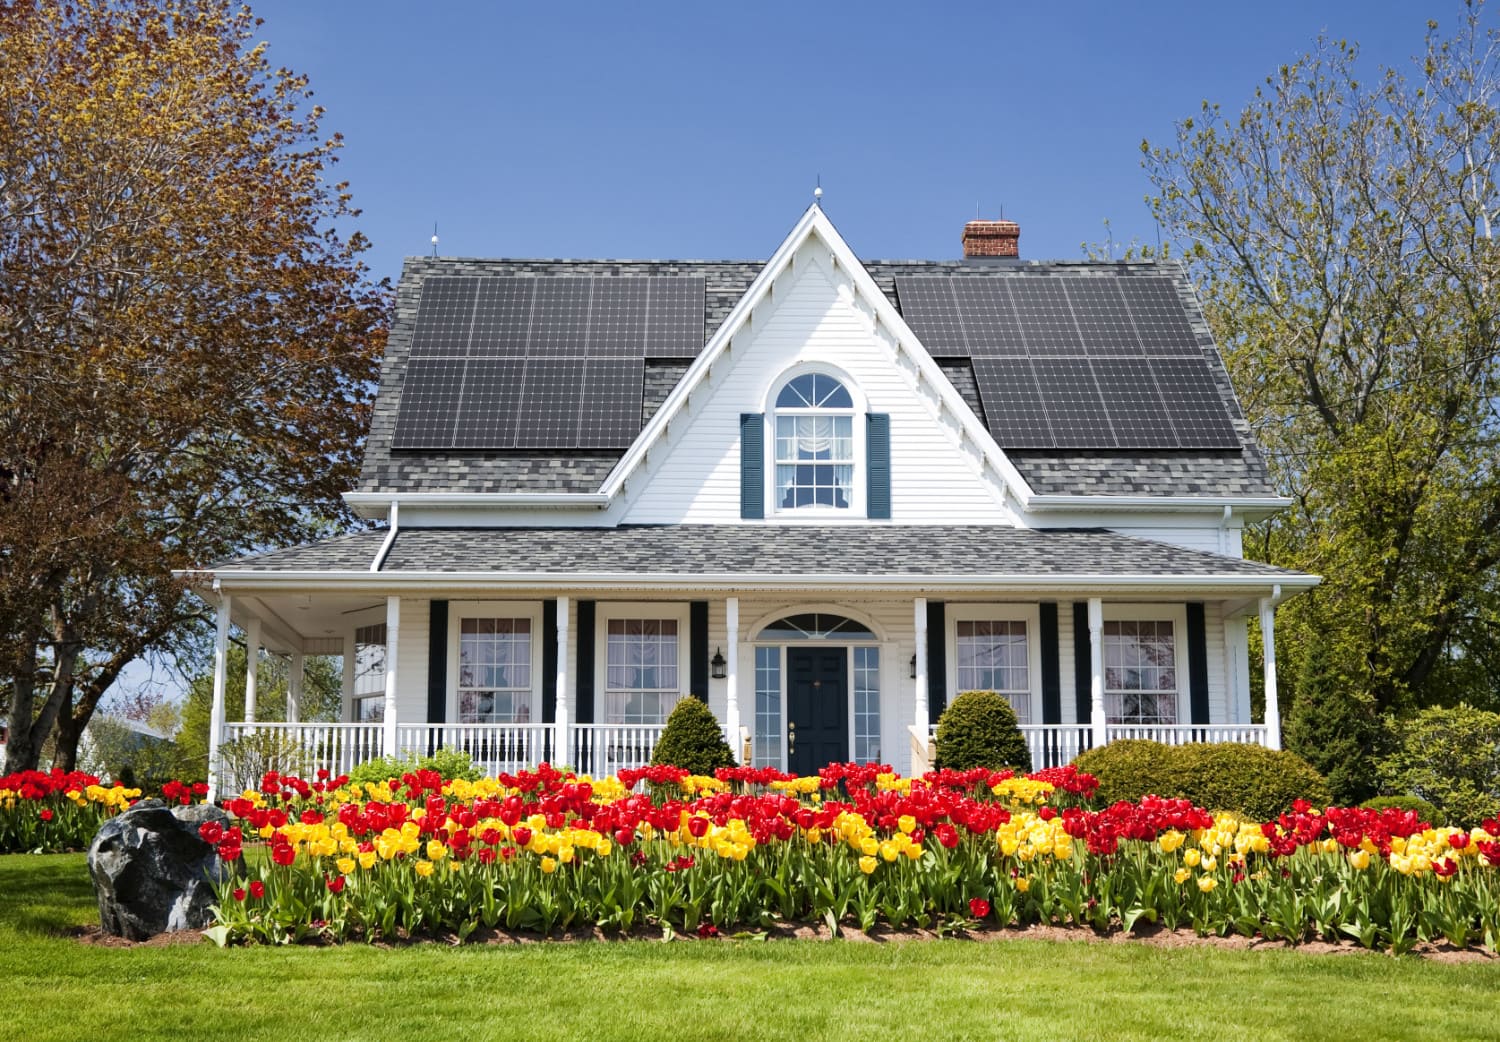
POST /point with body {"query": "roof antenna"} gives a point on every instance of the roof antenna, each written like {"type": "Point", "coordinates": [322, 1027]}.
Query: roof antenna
{"type": "Point", "coordinates": [818, 193]}
{"type": "Point", "coordinates": [434, 238]}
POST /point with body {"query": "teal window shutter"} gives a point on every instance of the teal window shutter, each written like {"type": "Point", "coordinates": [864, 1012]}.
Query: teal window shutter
{"type": "Point", "coordinates": [752, 465]}
{"type": "Point", "coordinates": [878, 462]}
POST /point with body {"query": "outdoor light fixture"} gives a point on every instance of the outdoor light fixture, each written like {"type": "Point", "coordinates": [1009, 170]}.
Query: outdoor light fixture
{"type": "Point", "coordinates": [914, 667]}
{"type": "Point", "coordinates": [719, 664]}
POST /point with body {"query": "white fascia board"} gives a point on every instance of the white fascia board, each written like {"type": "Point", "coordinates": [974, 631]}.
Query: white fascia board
{"type": "Point", "coordinates": [377, 505]}
{"type": "Point", "coordinates": [1249, 506]}
{"type": "Point", "coordinates": [815, 222]}
{"type": "Point", "coordinates": [329, 581]}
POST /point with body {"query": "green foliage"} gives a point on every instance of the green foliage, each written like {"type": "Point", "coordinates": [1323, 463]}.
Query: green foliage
{"type": "Point", "coordinates": [1333, 726]}
{"type": "Point", "coordinates": [1342, 231]}
{"type": "Point", "coordinates": [244, 761]}
{"type": "Point", "coordinates": [322, 701]}
{"type": "Point", "coordinates": [979, 729]}
{"type": "Point", "coordinates": [1245, 779]}
{"type": "Point", "coordinates": [693, 740]}
{"type": "Point", "coordinates": [450, 763]}
{"type": "Point", "coordinates": [117, 752]}
{"type": "Point", "coordinates": [1451, 759]}
{"type": "Point", "coordinates": [1426, 811]}
{"type": "Point", "coordinates": [1129, 769]}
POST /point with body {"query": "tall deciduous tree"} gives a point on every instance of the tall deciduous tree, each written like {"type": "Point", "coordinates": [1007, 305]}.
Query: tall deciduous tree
{"type": "Point", "coordinates": [187, 338]}
{"type": "Point", "coordinates": [1341, 228]}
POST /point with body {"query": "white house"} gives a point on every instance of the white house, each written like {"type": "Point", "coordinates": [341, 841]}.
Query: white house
{"type": "Point", "coordinates": [824, 495]}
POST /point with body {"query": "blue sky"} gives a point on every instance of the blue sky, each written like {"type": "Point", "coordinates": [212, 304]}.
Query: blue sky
{"type": "Point", "coordinates": [696, 130]}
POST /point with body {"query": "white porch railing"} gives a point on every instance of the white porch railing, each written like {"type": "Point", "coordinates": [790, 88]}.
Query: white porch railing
{"type": "Point", "coordinates": [602, 749]}
{"type": "Point", "coordinates": [1055, 745]}
{"type": "Point", "coordinates": [494, 748]}
{"type": "Point", "coordinates": [301, 749]}
{"type": "Point", "coordinates": [1182, 734]}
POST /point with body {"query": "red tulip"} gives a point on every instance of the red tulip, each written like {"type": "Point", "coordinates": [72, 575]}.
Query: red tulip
{"type": "Point", "coordinates": [239, 893]}
{"type": "Point", "coordinates": [521, 834]}
{"type": "Point", "coordinates": [46, 814]}
{"type": "Point", "coordinates": [257, 889]}
{"type": "Point", "coordinates": [336, 884]}
{"type": "Point", "coordinates": [625, 835]}
{"type": "Point", "coordinates": [698, 827]}
{"type": "Point", "coordinates": [979, 908]}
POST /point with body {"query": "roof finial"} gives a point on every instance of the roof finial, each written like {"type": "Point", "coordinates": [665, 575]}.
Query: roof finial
{"type": "Point", "coordinates": [818, 193]}
{"type": "Point", "coordinates": [434, 238]}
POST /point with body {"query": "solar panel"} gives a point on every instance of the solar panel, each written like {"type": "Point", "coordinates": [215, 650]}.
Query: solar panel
{"type": "Point", "coordinates": [530, 344]}
{"type": "Point", "coordinates": [1156, 311]}
{"type": "Point", "coordinates": [1075, 361]}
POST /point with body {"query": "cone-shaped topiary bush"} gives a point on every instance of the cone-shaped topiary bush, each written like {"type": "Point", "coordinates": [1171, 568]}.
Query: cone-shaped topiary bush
{"type": "Point", "coordinates": [693, 740]}
{"type": "Point", "coordinates": [979, 729]}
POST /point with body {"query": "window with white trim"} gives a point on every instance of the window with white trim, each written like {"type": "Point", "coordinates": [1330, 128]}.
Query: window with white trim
{"type": "Point", "coordinates": [866, 705]}
{"type": "Point", "coordinates": [767, 748]}
{"type": "Point", "coordinates": [814, 444]}
{"type": "Point", "coordinates": [1140, 671]}
{"type": "Point", "coordinates": [641, 676]}
{"type": "Point", "coordinates": [494, 671]}
{"type": "Point", "coordinates": [369, 674]}
{"type": "Point", "coordinates": [993, 655]}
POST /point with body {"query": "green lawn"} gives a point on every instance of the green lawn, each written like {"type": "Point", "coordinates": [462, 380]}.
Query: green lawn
{"type": "Point", "coordinates": [57, 988]}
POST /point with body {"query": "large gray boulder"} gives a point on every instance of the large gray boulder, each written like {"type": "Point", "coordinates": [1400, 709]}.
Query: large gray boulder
{"type": "Point", "coordinates": [152, 872]}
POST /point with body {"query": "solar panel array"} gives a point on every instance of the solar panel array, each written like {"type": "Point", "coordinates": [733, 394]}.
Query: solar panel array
{"type": "Point", "coordinates": [1075, 362]}
{"type": "Point", "coordinates": [540, 363]}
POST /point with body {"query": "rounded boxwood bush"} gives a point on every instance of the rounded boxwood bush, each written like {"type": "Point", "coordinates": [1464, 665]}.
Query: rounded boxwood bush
{"type": "Point", "coordinates": [1426, 811]}
{"type": "Point", "coordinates": [979, 729]}
{"type": "Point", "coordinates": [693, 740]}
{"type": "Point", "coordinates": [1129, 769]}
{"type": "Point", "coordinates": [1244, 779]}
{"type": "Point", "coordinates": [1450, 757]}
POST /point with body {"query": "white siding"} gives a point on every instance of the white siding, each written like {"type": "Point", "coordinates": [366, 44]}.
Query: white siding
{"type": "Point", "coordinates": [411, 660]}
{"type": "Point", "coordinates": [811, 317]}
{"type": "Point", "coordinates": [1065, 671]}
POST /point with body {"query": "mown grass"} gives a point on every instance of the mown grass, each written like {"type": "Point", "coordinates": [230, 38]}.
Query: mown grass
{"type": "Point", "coordinates": [58, 988]}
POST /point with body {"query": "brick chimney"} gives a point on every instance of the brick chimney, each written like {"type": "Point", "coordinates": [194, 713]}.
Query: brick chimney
{"type": "Point", "coordinates": [992, 239]}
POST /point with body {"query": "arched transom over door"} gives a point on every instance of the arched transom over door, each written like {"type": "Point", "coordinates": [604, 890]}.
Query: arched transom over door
{"type": "Point", "coordinates": [817, 692]}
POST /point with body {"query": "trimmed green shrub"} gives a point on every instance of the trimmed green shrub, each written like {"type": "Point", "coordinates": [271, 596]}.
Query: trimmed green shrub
{"type": "Point", "coordinates": [1247, 780]}
{"type": "Point", "coordinates": [1426, 811]}
{"type": "Point", "coordinates": [1333, 727]}
{"type": "Point", "coordinates": [450, 763]}
{"type": "Point", "coordinates": [1244, 779]}
{"type": "Point", "coordinates": [979, 729]}
{"type": "Point", "coordinates": [693, 740]}
{"type": "Point", "coordinates": [1449, 757]}
{"type": "Point", "coordinates": [1129, 769]}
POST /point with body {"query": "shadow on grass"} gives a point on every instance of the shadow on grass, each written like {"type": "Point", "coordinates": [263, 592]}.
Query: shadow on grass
{"type": "Point", "coordinates": [58, 896]}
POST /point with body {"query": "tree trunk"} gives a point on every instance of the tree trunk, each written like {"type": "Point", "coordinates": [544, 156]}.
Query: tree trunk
{"type": "Point", "coordinates": [22, 747]}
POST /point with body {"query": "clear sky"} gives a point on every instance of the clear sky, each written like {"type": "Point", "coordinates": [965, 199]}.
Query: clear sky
{"type": "Point", "coordinates": [696, 130]}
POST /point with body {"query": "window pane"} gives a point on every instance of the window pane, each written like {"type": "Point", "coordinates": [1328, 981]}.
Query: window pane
{"type": "Point", "coordinates": [494, 671]}
{"type": "Point", "coordinates": [640, 673]}
{"type": "Point", "coordinates": [992, 656]}
{"type": "Point", "coordinates": [1140, 678]}
{"type": "Point", "coordinates": [867, 705]}
{"type": "Point", "coordinates": [767, 749]}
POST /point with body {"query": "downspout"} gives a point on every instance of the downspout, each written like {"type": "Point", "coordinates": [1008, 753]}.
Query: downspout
{"type": "Point", "coordinates": [1224, 530]}
{"type": "Point", "coordinates": [390, 537]}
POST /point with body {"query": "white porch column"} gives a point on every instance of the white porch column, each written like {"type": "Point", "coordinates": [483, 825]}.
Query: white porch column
{"type": "Point", "coordinates": [1096, 672]}
{"type": "Point", "coordinates": [252, 668]}
{"type": "Point", "coordinates": [294, 681]}
{"type": "Point", "coordinates": [919, 624]}
{"type": "Point", "coordinates": [216, 711]}
{"type": "Point", "coordinates": [346, 681]}
{"type": "Point", "coordinates": [732, 675]}
{"type": "Point", "coordinates": [562, 749]}
{"type": "Point", "coordinates": [392, 651]}
{"type": "Point", "coordinates": [1268, 660]}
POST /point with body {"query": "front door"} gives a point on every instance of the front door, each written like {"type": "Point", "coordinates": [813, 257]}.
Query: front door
{"type": "Point", "coordinates": [817, 705]}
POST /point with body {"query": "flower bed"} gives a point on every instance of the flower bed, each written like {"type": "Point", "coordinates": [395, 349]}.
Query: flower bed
{"type": "Point", "coordinates": [54, 811]}
{"type": "Point", "coordinates": [752, 849]}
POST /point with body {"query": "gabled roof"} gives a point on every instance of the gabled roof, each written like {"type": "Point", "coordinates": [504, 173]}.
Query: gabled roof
{"type": "Point", "coordinates": [1237, 471]}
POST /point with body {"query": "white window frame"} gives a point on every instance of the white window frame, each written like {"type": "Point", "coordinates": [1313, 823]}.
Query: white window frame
{"type": "Point", "coordinates": [460, 610]}
{"type": "Point", "coordinates": [857, 495]}
{"type": "Point", "coordinates": [1176, 614]}
{"type": "Point", "coordinates": [1030, 614]}
{"type": "Point", "coordinates": [356, 621]}
{"type": "Point", "coordinates": [606, 612]}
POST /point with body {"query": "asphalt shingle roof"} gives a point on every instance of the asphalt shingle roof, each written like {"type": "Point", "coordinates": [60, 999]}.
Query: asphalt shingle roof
{"type": "Point", "coordinates": [1241, 472]}
{"type": "Point", "coordinates": [762, 551]}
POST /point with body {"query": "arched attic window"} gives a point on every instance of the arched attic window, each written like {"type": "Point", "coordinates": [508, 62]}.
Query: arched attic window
{"type": "Point", "coordinates": [815, 451]}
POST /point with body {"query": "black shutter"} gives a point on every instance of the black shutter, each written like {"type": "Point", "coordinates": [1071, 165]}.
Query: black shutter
{"type": "Point", "coordinates": [585, 642]}
{"type": "Point", "coordinates": [1197, 644]}
{"type": "Point", "coordinates": [937, 660]}
{"type": "Point", "coordinates": [752, 465]}
{"type": "Point", "coordinates": [437, 662]}
{"type": "Point", "coordinates": [698, 649]}
{"type": "Point", "coordinates": [1051, 667]}
{"type": "Point", "coordinates": [878, 463]}
{"type": "Point", "coordinates": [1083, 668]}
{"type": "Point", "coordinates": [549, 661]}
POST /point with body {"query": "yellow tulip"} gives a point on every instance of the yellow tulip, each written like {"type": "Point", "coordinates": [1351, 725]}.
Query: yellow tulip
{"type": "Point", "coordinates": [907, 823]}
{"type": "Point", "coordinates": [867, 864]}
{"type": "Point", "coordinates": [1359, 859]}
{"type": "Point", "coordinates": [1207, 883]}
{"type": "Point", "coordinates": [1182, 875]}
{"type": "Point", "coordinates": [1191, 857]}
{"type": "Point", "coordinates": [367, 859]}
{"type": "Point", "coordinates": [424, 868]}
{"type": "Point", "coordinates": [549, 865]}
{"type": "Point", "coordinates": [889, 851]}
{"type": "Point", "coordinates": [1023, 883]}
{"type": "Point", "coordinates": [345, 865]}
{"type": "Point", "coordinates": [1210, 863]}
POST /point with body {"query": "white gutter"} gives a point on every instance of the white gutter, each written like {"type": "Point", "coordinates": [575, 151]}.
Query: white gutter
{"type": "Point", "coordinates": [1214, 504]}
{"type": "Point", "coordinates": [390, 538]}
{"type": "Point", "coordinates": [379, 504]}
{"type": "Point", "coordinates": [327, 580]}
